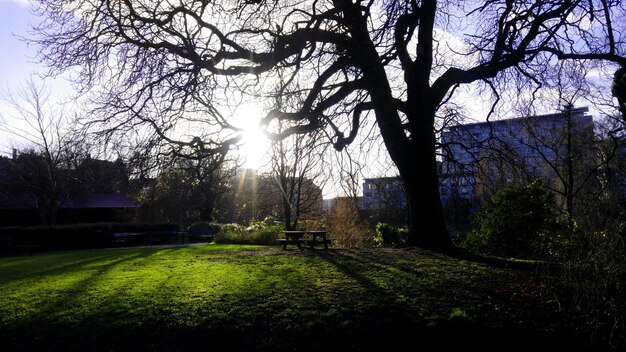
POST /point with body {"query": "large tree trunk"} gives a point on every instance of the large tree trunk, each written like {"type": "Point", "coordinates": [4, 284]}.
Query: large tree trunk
{"type": "Point", "coordinates": [413, 155]}
{"type": "Point", "coordinates": [287, 215]}
{"type": "Point", "coordinates": [416, 160]}
{"type": "Point", "coordinates": [421, 184]}
{"type": "Point", "coordinates": [286, 201]}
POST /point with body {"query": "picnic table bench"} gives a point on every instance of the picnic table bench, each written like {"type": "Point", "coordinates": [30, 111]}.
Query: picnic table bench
{"type": "Point", "coordinates": [307, 238]}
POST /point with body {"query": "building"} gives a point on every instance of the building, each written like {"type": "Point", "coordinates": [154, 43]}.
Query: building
{"type": "Point", "coordinates": [384, 199]}
{"type": "Point", "coordinates": [92, 191]}
{"type": "Point", "coordinates": [85, 208]}
{"type": "Point", "coordinates": [480, 158]}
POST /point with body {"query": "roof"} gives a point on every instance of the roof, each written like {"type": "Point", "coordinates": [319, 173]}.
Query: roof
{"type": "Point", "coordinates": [574, 112]}
{"type": "Point", "coordinates": [382, 179]}
{"type": "Point", "coordinates": [111, 200]}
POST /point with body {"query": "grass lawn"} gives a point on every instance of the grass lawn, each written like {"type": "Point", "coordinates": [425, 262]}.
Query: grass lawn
{"type": "Point", "coordinates": [233, 297]}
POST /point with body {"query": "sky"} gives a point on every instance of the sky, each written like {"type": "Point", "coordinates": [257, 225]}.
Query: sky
{"type": "Point", "coordinates": [17, 59]}
{"type": "Point", "coordinates": [18, 64]}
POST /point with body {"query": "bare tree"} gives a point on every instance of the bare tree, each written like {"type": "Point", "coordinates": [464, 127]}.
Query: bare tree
{"type": "Point", "coordinates": [168, 66]}
{"type": "Point", "coordinates": [296, 176]}
{"type": "Point", "coordinates": [42, 172]}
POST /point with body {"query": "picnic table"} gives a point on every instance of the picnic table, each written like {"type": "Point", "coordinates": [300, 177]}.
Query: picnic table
{"type": "Point", "coordinates": [306, 238]}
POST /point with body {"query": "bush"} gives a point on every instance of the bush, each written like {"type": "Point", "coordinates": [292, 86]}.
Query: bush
{"type": "Point", "coordinates": [591, 267]}
{"type": "Point", "coordinates": [313, 225]}
{"type": "Point", "coordinates": [515, 222]}
{"type": "Point", "coordinates": [348, 226]}
{"type": "Point", "coordinates": [389, 236]}
{"type": "Point", "coordinates": [262, 232]}
{"type": "Point", "coordinates": [204, 227]}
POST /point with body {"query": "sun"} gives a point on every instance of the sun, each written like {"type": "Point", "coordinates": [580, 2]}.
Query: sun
{"type": "Point", "coordinates": [255, 147]}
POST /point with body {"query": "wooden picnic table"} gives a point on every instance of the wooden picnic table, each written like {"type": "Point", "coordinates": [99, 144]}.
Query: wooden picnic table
{"type": "Point", "coordinates": [307, 238]}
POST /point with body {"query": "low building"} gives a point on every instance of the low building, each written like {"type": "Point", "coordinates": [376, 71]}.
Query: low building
{"type": "Point", "coordinates": [87, 208]}
{"type": "Point", "coordinates": [93, 191]}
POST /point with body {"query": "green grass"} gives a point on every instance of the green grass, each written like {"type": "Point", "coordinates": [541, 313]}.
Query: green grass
{"type": "Point", "coordinates": [236, 297]}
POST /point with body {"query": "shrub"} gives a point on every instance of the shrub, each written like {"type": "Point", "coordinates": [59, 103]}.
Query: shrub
{"type": "Point", "coordinates": [389, 236]}
{"type": "Point", "coordinates": [261, 232]}
{"type": "Point", "coordinates": [515, 222]}
{"type": "Point", "coordinates": [458, 314]}
{"type": "Point", "coordinates": [313, 225]}
{"type": "Point", "coordinates": [347, 226]}
{"type": "Point", "coordinates": [591, 267]}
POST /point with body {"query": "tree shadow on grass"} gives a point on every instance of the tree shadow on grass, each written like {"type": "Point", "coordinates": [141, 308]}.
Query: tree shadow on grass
{"type": "Point", "coordinates": [36, 268]}
{"type": "Point", "coordinates": [368, 314]}
{"type": "Point", "coordinates": [428, 325]}
{"type": "Point", "coordinates": [58, 321]}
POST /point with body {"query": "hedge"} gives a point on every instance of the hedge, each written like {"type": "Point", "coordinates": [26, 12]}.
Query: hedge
{"type": "Point", "coordinates": [76, 236]}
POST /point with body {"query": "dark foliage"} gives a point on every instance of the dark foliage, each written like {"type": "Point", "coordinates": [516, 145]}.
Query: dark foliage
{"type": "Point", "coordinates": [390, 236]}
{"type": "Point", "coordinates": [264, 232]}
{"type": "Point", "coordinates": [515, 222]}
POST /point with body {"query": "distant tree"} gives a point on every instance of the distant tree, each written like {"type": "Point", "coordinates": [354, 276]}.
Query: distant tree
{"type": "Point", "coordinates": [167, 199]}
{"type": "Point", "coordinates": [169, 66]}
{"type": "Point", "coordinates": [389, 201]}
{"type": "Point", "coordinates": [186, 190]}
{"type": "Point", "coordinates": [296, 164]}
{"type": "Point", "coordinates": [240, 202]}
{"type": "Point", "coordinates": [564, 150]}
{"type": "Point", "coordinates": [610, 206]}
{"type": "Point", "coordinates": [563, 153]}
{"type": "Point", "coordinates": [103, 176]}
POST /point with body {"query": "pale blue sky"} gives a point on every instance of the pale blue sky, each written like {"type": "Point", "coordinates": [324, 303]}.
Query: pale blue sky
{"type": "Point", "coordinates": [17, 64]}
{"type": "Point", "coordinates": [16, 58]}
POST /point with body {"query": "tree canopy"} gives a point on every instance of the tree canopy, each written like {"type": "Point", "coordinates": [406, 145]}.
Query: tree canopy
{"type": "Point", "coordinates": [173, 72]}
